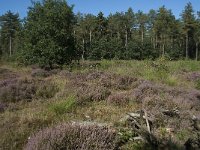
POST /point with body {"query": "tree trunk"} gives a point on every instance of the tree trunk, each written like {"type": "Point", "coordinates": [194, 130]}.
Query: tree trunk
{"type": "Point", "coordinates": [172, 43]}
{"type": "Point", "coordinates": [163, 45]}
{"type": "Point", "coordinates": [10, 46]}
{"type": "Point", "coordinates": [90, 36]}
{"type": "Point", "coordinates": [197, 49]}
{"type": "Point", "coordinates": [74, 36]}
{"type": "Point", "coordinates": [163, 49]}
{"type": "Point", "coordinates": [74, 33]}
{"type": "Point", "coordinates": [156, 42]}
{"type": "Point", "coordinates": [142, 36]}
{"type": "Point", "coordinates": [83, 49]}
{"type": "Point", "coordinates": [186, 46]}
{"type": "Point", "coordinates": [126, 44]}
{"type": "Point", "coordinates": [118, 35]}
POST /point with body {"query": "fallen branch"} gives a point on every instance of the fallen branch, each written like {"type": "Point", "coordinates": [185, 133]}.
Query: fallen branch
{"type": "Point", "coordinates": [147, 122]}
{"type": "Point", "coordinates": [138, 138]}
{"type": "Point", "coordinates": [137, 115]}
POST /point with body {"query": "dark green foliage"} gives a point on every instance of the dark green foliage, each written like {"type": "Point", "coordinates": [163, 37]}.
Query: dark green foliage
{"type": "Point", "coordinates": [140, 50]}
{"type": "Point", "coordinates": [129, 35]}
{"type": "Point", "coordinates": [97, 49]}
{"type": "Point", "coordinates": [52, 35]}
{"type": "Point", "coordinates": [47, 34]}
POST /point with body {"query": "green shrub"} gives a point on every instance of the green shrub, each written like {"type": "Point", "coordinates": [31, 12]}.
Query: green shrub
{"type": "Point", "coordinates": [182, 135]}
{"type": "Point", "coordinates": [47, 42]}
{"type": "Point", "coordinates": [171, 81]}
{"type": "Point", "coordinates": [64, 106]}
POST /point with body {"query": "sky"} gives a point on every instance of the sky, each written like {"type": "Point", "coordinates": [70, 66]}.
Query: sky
{"type": "Point", "coordinates": [106, 6]}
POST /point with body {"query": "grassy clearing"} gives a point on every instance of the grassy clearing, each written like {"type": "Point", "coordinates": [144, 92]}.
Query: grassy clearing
{"type": "Point", "coordinates": [161, 71]}
{"type": "Point", "coordinates": [21, 119]}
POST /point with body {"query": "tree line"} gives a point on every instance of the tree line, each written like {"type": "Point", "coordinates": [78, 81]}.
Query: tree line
{"type": "Point", "coordinates": [52, 34]}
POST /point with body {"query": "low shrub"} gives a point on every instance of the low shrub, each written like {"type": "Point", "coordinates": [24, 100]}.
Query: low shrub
{"type": "Point", "coordinates": [65, 73]}
{"type": "Point", "coordinates": [7, 74]}
{"type": "Point", "coordinates": [3, 107]}
{"type": "Point", "coordinates": [194, 76]}
{"type": "Point", "coordinates": [46, 90]}
{"type": "Point", "coordinates": [40, 73]}
{"type": "Point", "coordinates": [119, 99]}
{"type": "Point", "coordinates": [15, 90]}
{"type": "Point", "coordinates": [73, 136]}
{"type": "Point", "coordinates": [55, 71]}
{"type": "Point", "coordinates": [197, 84]}
{"type": "Point", "coordinates": [110, 80]}
{"type": "Point", "coordinates": [179, 103]}
{"type": "Point", "coordinates": [124, 83]}
{"type": "Point", "coordinates": [87, 93]}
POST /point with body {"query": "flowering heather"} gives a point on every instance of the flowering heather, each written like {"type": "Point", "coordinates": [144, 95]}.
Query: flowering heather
{"type": "Point", "coordinates": [3, 107]}
{"type": "Point", "coordinates": [149, 89]}
{"type": "Point", "coordinates": [65, 73]}
{"type": "Point", "coordinates": [73, 136]}
{"type": "Point", "coordinates": [120, 99]}
{"type": "Point", "coordinates": [88, 93]}
{"type": "Point", "coordinates": [7, 74]}
{"type": "Point", "coordinates": [124, 82]}
{"type": "Point", "coordinates": [194, 76]}
{"type": "Point", "coordinates": [15, 90]}
{"type": "Point", "coordinates": [156, 98]}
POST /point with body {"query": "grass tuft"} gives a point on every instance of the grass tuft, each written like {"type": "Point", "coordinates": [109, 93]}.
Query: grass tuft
{"type": "Point", "coordinates": [61, 107]}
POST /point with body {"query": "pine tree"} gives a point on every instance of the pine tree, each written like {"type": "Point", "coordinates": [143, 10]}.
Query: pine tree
{"type": "Point", "coordinates": [188, 20]}
{"type": "Point", "coordinates": [142, 22]}
{"type": "Point", "coordinates": [101, 25]}
{"type": "Point", "coordinates": [163, 26]}
{"type": "Point", "coordinates": [197, 34]}
{"type": "Point", "coordinates": [10, 26]}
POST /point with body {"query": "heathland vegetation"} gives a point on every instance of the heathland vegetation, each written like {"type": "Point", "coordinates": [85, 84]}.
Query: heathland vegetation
{"type": "Point", "coordinates": [89, 106]}
{"type": "Point", "coordinates": [130, 80]}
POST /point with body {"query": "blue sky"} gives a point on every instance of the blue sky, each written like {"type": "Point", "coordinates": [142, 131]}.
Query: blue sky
{"type": "Point", "coordinates": [106, 6]}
